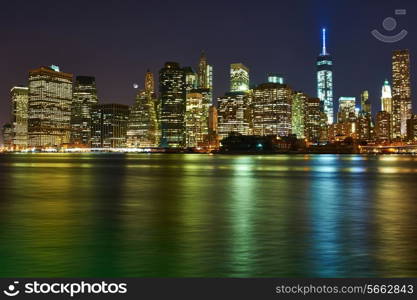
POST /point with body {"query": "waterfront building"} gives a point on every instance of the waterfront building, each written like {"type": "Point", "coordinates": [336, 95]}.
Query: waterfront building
{"type": "Point", "coordinates": [239, 78]}
{"type": "Point", "coordinates": [20, 99]}
{"type": "Point", "coordinates": [346, 111]}
{"type": "Point", "coordinates": [365, 103]}
{"type": "Point", "coordinates": [196, 120]}
{"type": "Point", "coordinates": [234, 114]}
{"type": "Point", "coordinates": [205, 76]}
{"type": "Point", "coordinates": [84, 97]}
{"type": "Point", "coordinates": [109, 125]}
{"type": "Point", "coordinates": [386, 97]}
{"type": "Point", "coordinates": [298, 111]}
{"type": "Point", "coordinates": [7, 134]}
{"type": "Point", "coordinates": [383, 127]}
{"type": "Point", "coordinates": [142, 128]}
{"type": "Point", "coordinates": [213, 125]}
{"type": "Point", "coordinates": [172, 88]}
{"type": "Point", "coordinates": [412, 128]}
{"type": "Point", "coordinates": [314, 121]}
{"type": "Point", "coordinates": [364, 126]}
{"type": "Point", "coordinates": [49, 107]}
{"type": "Point", "coordinates": [324, 66]}
{"type": "Point", "coordinates": [190, 79]}
{"type": "Point", "coordinates": [271, 109]}
{"type": "Point", "coordinates": [401, 93]}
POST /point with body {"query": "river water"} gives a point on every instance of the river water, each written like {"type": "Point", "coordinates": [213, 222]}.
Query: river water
{"type": "Point", "coordinates": [194, 215]}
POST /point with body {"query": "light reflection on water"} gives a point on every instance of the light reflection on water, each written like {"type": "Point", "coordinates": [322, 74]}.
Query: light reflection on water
{"type": "Point", "coordinates": [162, 215]}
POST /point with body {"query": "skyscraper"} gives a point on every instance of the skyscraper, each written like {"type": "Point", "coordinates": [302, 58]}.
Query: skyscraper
{"type": "Point", "coordinates": [401, 93]}
{"type": "Point", "coordinates": [109, 125]}
{"type": "Point", "coordinates": [325, 80]}
{"type": "Point", "coordinates": [143, 129]}
{"type": "Point", "coordinates": [365, 102]}
{"type": "Point", "coordinates": [234, 114]}
{"type": "Point", "coordinates": [49, 106]}
{"type": "Point", "coordinates": [298, 112]}
{"type": "Point", "coordinates": [271, 109]}
{"type": "Point", "coordinates": [239, 78]}
{"type": "Point", "coordinates": [346, 111]}
{"type": "Point", "coordinates": [172, 88]}
{"type": "Point", "coordinates": [196, 120]}
{"type": "Point", "coordinates": [205, 76]}
{"type": "Point", "coordinates": [20, 98]}
{"type": "Point", "coordinates": [383, 127]}
{"type": "Point", "coordinates": [84, 97]}
{"type": "Point", "coordinates": [386, 97]}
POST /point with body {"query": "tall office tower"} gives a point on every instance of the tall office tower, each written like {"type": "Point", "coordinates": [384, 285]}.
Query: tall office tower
{"type": "Point", "coordinates": [239, 78]}
{"type": "Point", "coordinates": [142, 128]}
{"type": "Point", "coordinates": [49, 107]}
{"type": "Point", "coordinates": [190, 79]}
{"type": "Point", "coordinates": [20, 98]}
{"type": "Point", "coordinates": [412, 128]}
{"type": "Point", "coordinates": [7, 133]}
{"type": "Point", "coordinates": [196, 120]}
{"type": "Point", "coordinates": [401, 93]}
{"type": "Point", "coordinates": [84, 97]}
{"type": "Point", "coordinates": [325, 80]}
{"type": "Point", "coordinates": [386, 97]}
{"type": "Point", "coordinates": [365, 102]}
{"type": "Point", "coordinates": [213, 127]}
{"type": "Point", "coordinates": [298, 119]}
{"type": "Point", "coordinates": [346, 112]}
{"type": "Point", "coordinates": [149, 83]}
{"type": "Point", "coordinates": [383, 127]}
{"type": "Point", "coordinates": [271, 109]}
{"type": "Point", "coordinates": [313, 125]}
{"type": "Point", "coordinates": [275, 78]}
{"type": "Point", "coordinates": [172, 89]}
{"type": "Point", "coordinates": [109, 125]}
{"type": "Point", "coordinates": [205, 76]}
{"type": "Point", "coordinates": [364, 127]}
{"type": "Point", "coordinates": [234, 114]}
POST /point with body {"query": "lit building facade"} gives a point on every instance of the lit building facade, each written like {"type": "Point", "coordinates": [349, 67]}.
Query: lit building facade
{"type": "Point", "coordinates": [234, 114]}
{"type": "Point", "coordinates": [7, 134]}
{"type": "Point", "coordinates": [298, 114]}
{"type": "Point", "coordinates": [383, 127]}
{"type": "Point", "coordinates": [325, 80]}
{"type": "Point", "coordinates": [275, 78]}
{"type": "Point", "coordinates": [315, 125]}
{"type": "Point", "coordinates": [271, 110]}
{"type": "Point", "coordinates": [143, 128]}
{"type": "Point", "coordinates": [84, 97]}
{"type": "Point", "coordinates": [196, 120]}
{"type": "Point", "coordinates": [205, 76]}
{"type": "Point", "coordinates": [20, 99]}
{"type": "Point", "coordinates": [412, 128]}
{"type": "Point", "coordinates": [365, 102]}
{"type": "Point", "coordinates": [172, 88]}
{"type": "Point", "coordinates": [386, 97]}
{"type": "Point", "coordinates": [109, 125]}
{"type": "Point", "coordinates": [401, 93]}
{"type": "Point", "coordinates": [49, 107]}
{"type": "Point", "coordinates": [239, 78]}
{"type": "Point", "coordinates": [346, 111]}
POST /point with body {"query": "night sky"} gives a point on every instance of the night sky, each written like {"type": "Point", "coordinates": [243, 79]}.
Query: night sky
{"type": "Point", "coordinates": [116, 41]}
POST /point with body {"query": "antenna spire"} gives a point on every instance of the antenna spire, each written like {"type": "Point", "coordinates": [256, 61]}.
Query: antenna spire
{"type": "Point", "coordinates": [324, 52]}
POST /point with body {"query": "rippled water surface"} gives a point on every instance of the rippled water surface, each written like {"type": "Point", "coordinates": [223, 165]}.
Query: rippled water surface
{"type": "Point", "coordinates": [207, 216]}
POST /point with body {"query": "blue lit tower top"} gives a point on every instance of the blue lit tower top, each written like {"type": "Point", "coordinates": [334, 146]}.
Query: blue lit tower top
{"type": "Point", "coordinates": [325, 80]}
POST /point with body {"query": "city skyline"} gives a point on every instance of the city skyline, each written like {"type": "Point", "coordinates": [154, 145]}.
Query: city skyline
{"type": "Point", "coordinates": [292, 54]}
